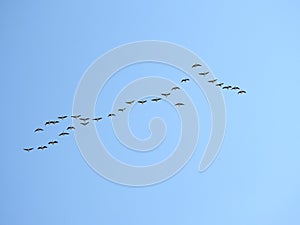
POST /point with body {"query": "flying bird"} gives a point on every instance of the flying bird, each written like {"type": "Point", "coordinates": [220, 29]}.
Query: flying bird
{"type": "Point", "coordinates": [155, 99]}
{"type": "Point", "coordinates": [63, 133]}
{"type": "Point", "coordinates": [84, 119]}
{"type": "Point", "coordinates": [111, 115]}
{"type": "Point", "coordinates": [235, 88]}
{"type": "Point", "coordinates": [38, 130]}
{"type": "Point", "coordinates": [204, 73]}
{"type": "Point", "coordinates": [48, 123]}
{"type": "Point", "coordinates": [227, 87]}
{"type": "Point", "coordinates": [54, 122]}
{"type": "Point", "coordinates": [142, 101]}
{"type": "Point", "coordinates": [52, 142]}
{"type": "Point", "coordinates": [175, 88]}
{"type": "Point", "coordinates": [76, 116]}
{"type": "Point", "coordinates": [165, 94]}
{"type": "Point", "coordinates": [62, 117]}
{"type": "Point", "coordinates": [42, 147]}
{"type": "Point", "coordinates": [242, 92]}
{"type": "Point", "coordinates": [97, 118]}
{"type": "Point", "coordinates": [212, 81]}
{"type": "Point", "coordinates": [84, 123]}
{"type": "Point", "coordinates": [130, 102]}
{"type": "Point", "coordinates": [28, 149]}
{"type": "Point", "coordinates": [179, 104]}
{"type": "Point", "coordinates": [70, 128]}
{"type": "Point", "coordinates": [121, 110]}
{"type": "Point", "coordinates": [185, 80]}
{"type": "Point", "coordinates": [219, 84]}
{"type": "Point", "coordinates": [196, 65]}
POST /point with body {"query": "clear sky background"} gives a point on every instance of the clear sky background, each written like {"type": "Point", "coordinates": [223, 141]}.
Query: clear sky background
{"type": "Point", "coordinates": [47, 45]}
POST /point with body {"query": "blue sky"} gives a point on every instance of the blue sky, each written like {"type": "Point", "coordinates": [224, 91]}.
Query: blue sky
{"type": "Point", "coordinates": [47, 45]}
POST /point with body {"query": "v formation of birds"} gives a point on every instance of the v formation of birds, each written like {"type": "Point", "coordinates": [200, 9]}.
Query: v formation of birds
{"type": "Point", "coordinates": [84, 121]}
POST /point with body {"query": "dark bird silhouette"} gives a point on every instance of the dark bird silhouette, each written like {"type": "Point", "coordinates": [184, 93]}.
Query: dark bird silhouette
{"type": "Point", "coordinates": [130, 102]}
{"type": "Point", "coordinates": [76, 116]}
{"type": "Point", "coordinates": [97, 118]}
{"type": "Point", "coordinates": [121, 110]}
{"type": "Point", "coordinates": [179, 104]}
{"type": "Point", "coordinates": [84, 119]}
{"type": "Point", "coordinates": [54, 122]}
{"type": "Point", "coordinates": [111, 115]}
{"type": "Point", "coordinates": [242, 92]}
{"type": "Point", "coordinates": [204, 73]}
{"type": "Point", "coordinates": [63, 133]}
{"type": "Point", "coordinates": [165, 94]}
{"type": "Point", "coordinates": [48, 123]}
{"type": "Point", "coordinates": [196, 65]}
{"type": "Point", "coordinates": [28, 149]}
{"type": "Point", "coordinates": [42, 147]}
{"type": "Point", "coordinates": [235, 88]}
{"type": "Point", "coordinates": [155, 99]}
{"type": "Point", "coordinates": [142, 101]}
{"type": "Point", "coordinates": [219, 84]}
{"type": "Point", "coordinates": [212, 81]}
{"type": "Point", "coordinates": [38, 129]}
{"type": "Point", "coordinates": [175, 88]}
{"type": "Point", "coordinates": [185, 80]}
{"type": "Point", "coordinates": [70, 128]}
{"type": "Point", "coordinates": [52, 142]}
{"type": "Point", "coordinates": [62, 117]}
{"type": "Point", "coordinates": [227, 87]}
{"type": "Point", "coordinates": [85, 123]}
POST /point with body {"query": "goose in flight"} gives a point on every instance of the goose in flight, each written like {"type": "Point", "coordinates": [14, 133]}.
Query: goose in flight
{"type": "Point", "coordinates": [179, 104]}
{"type": "Point", "coordinates": [227, 87]}
{"type": "Point", "coordinates": [38, 129]}
{"type": "Point", "coordinates": [121, 110]}
{"type": "Point", "coordinates": [63, 133]}
{"type": "Point", "coordinates": [52, 142]}
{"type": "Point", "coordinates": [196, 65]}
{"type": "Point", "coordinates": [70, 128]}
{"type": "Point", "coordinates": [175, 88]}
{"type": "Point", "coordinates": [84, 119]}
{"type": "Point", "coordinates": [235, 88]}
{"type": "Point", "coordinates": [165, 94]}
{"type": "Point", "coordinates": [28, 149]}
{"type": "Point", "coordinates": [111, 115]}
{"type": "Point", "coordinates": [242, 92]}
{"type": "Point", "coordinates": [155, 99]}
{"type": "Point", "coordinates": [54, 122]}
{"type": "Point", "coordinates": [76, 116]}
{"type": "Point", "coordinates": [142, 101]}
{"type": "Point", "coordinates": [48, 123]}
{"type": "Point", "coordinates": [42, 147]}
{"type": "Point", "coordinates": [204, 73]}
{"type": "Point", "coordinates": [62, 117]}
{"type": "Point", "coordinates": [219, 84]}
{"type": "Point", "coordinates": [97, 118]}
{"type": "Point", "coordinates": [130, 102]}
{"type": "Point", "coordinates": [212, 81]}
{"type": "Point", "coordinates": [85, 123]}
{"type": "Point", "coordinates": [185, 80]}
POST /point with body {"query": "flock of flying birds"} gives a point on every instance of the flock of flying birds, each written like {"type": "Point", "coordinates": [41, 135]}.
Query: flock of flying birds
{"type": "Point", "coordinates": [86, 120]}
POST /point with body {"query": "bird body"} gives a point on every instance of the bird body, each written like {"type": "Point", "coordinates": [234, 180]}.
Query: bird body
{"type": "Point", "coordinates": [111, 115]}
{"type": "Point", "coordinates": [84, 119]}
{"type": "Point", "coordinates": [204, 73]}
{"type": "Point", "coordinates": [175, 88]}
{"type": "Point", "coordinates": [38, 129]}
{"type": "Point", "coordinates": [97, 118]}
{"type": "Point", "coordinates": [121, 110]}
{"type": "Point", "coordinates": [76, 116]}
{"type": "Point", "coordinates": [235, 88]}
{"type": "Point", "coordinates": [242, 92]}
{"type": "Point", "coordinates": [219, 84]}
{"type": "Point", "coordinates": [62, 117]}
{"type": "Point", "coordinates": [185, 80]}
{"type": "Point", "coordinates": [28, 149]}
{"type": "Point", "coordinates": [63, 133]}
{"type": "Point", "coordinates": [179, 104]}
{"type": "Point", "coordinates": [52, 142]}
{"type": "Point", "coordinates": [130, 102]}
{"type": "Point", "coordinates": [212, 81]}
{"type": "Point", "coordinates": [165, 94]}
{"type": "Point", "coordinates": [42, 147]}
{"type": "Point", "coordinates": [142, 101]}
{"type": "Point", "coordinates": [48, 123]}
{"type": "Point", "coordinates": [70, 128]}
{"type": "Point", "coordinates": [85, 123]}
{"type": "Point", "coordinates": [196, 65]}
{"type": "Point", "coordinates": [227, 87]}
{"type": "Point", "coordinates": [155, 99]}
